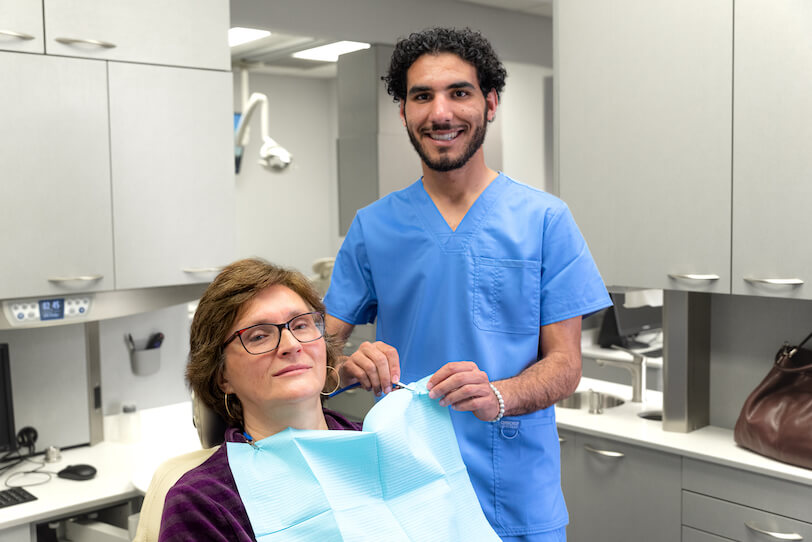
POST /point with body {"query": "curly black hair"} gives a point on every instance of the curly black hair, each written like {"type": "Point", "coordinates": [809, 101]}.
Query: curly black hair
{"type": "Point", "coordinates": [468, 44]}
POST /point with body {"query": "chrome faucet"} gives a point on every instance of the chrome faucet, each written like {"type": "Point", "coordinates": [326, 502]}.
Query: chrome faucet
{"type": "Point", "coordinates": [637, 368]}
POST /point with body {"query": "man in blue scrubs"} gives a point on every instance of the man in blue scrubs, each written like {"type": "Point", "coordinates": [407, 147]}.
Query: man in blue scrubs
{"type": "Point", "coordinates": [474, 277]}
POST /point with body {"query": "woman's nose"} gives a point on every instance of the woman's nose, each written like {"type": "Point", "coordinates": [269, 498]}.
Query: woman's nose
{"type": "Point", "coordinates": [288, 343]}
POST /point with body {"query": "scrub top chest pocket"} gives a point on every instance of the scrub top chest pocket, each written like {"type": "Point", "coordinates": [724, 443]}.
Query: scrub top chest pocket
{"type": "Point", "coordinates": [507, 295]}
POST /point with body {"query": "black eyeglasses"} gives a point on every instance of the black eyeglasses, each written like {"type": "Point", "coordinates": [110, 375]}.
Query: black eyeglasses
{"type": "Point", "coordinates": [263, 338]}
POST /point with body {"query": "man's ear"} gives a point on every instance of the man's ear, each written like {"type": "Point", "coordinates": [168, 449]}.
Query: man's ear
{"type": "Point", "coordinates": [492, 102]}
{"type": "Point", "coordinates": [402, 110]}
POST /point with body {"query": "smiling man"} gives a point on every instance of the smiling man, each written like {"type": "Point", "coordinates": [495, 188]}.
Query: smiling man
{"type": "Point", "coordinates": [474, 277]}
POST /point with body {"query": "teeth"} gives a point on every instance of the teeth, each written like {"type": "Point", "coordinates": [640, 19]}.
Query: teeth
{"type": "Point", "coordinates": [445, 137]}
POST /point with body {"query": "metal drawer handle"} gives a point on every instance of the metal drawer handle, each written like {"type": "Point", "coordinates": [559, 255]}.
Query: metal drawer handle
{"type": "Point", "coordinates": [694, 276]}
{"type": "Point", "coordinates": [84, 278]}
{"type": "Point", "coordinates": [202, 269]}
{"type": "Point", "coordinates": [771, 534]}
{"type": "Point", "coordinates": [16, 34]}
{"type": "Point", "coordinates": [71, 41]}
{"type": "Point", "coordinates": [605, 453]}
{"type": "Point", "coordinates": [782, 282]}
{"type": "Point", "coordinates": [561, 440]}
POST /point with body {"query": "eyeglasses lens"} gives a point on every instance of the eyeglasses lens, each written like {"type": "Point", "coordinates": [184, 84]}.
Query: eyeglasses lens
{"type": "Point", "coordinates": [265, 337]}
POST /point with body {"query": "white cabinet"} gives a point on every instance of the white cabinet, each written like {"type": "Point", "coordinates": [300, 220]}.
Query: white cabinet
{"type": "Point", "coordinates": [55, 168]}
{"type": "Point", "coordinates": [173, 175]}
{"type": "Point", "coordinates": [180, 32]}
{"type": "Point", "coordinates": [644, 148]}
{"type": "Point", "coordinates": [738, 505]}
{"type": "Point", "coordinates": [21, 26]}
{"type": "Point", "coordinates": [620, 492]}
{"type": "Point", "coordinates": [772, 163]}
{"type": "Point", "coordinates": [566, 441]}
{"type": "Point", "coordinates": [683, 145]}
{"type": "Point", "coordinates": [21, 533]}
{"type": "Point", "coordinates": [116, 175]}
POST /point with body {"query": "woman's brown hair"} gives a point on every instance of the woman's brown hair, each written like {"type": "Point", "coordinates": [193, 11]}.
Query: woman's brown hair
{"type": "Point", "coordinates": [216, 313]}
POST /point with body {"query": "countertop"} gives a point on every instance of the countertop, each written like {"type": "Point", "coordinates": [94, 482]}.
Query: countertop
{"type": "Point", "coordinates": [711, 444]}
{"type": "Point", "coordinates": [165, 432]}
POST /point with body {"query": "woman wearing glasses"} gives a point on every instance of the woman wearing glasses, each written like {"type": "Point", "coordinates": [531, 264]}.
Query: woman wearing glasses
{"type": "Point", "coordinates": [258, 357]}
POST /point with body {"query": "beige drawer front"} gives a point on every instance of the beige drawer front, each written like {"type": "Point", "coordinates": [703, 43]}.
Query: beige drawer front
{"type": "Point", "coordinates": [692, 535]}
{"type": "Point", "coordinates": [739, 522]}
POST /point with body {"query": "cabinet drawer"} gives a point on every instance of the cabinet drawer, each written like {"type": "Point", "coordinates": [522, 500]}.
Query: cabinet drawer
{"type": "Point", "coordinates": [739, 522]}
{"type": "Point", "coordinates": [692, 535]}
{"type": "Point", "coordinates": [782, 497]}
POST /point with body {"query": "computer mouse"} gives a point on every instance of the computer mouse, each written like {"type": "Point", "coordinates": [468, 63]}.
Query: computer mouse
{"type": "Point", "coordinates": [77, 472]}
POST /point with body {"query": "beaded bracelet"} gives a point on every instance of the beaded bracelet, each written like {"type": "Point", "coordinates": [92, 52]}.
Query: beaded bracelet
{"type": "Point", "coordinates": [501, 403]}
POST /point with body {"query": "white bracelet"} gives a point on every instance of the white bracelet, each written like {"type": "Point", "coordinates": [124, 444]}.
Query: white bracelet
{"type": "Point", "coordinates": [501, 403]}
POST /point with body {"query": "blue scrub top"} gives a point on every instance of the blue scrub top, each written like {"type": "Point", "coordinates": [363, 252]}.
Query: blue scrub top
{"type": "Point", "coordinates": [516, 262]}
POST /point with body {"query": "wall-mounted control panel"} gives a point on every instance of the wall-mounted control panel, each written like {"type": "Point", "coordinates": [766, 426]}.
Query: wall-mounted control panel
{"type": "Point", "coordinates": [33, 312]}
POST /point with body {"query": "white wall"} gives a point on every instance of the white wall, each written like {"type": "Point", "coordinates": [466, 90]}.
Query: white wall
{"type": "Point", "coordinates": [290, 217]}
{"type": "Point", "coordinates": [526, 114]}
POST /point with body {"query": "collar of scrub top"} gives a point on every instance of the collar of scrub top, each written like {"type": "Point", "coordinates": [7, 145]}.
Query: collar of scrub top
{"type": "Point", "coordinates": [397, 385]}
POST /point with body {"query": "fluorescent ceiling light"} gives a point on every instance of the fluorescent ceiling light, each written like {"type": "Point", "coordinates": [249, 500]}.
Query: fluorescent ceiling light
{"type": "Point", "coordinates": [331, 51]}
{"type": "Point", "coordinates": [239, 35]}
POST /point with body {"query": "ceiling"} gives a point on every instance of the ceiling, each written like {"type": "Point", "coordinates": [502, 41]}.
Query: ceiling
{"type": "Point", "coordinates": [533, 7]}
{"type": "Point", "coordinates": [273, 54]}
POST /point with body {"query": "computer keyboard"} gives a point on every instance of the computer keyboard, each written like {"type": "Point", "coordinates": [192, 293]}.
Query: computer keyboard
{"type": "Point", "coordinates": [14, 495]}
{"type": "Point", "coordinates": [656, 353]}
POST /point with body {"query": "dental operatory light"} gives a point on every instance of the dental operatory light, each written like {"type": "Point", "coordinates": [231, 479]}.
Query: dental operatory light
{"type": "Point", "coordinates": [239, 35]}
{"type": "Point", "coordinates": [331, 51]}
{"type": "Point", "coordinates": [271, 154]}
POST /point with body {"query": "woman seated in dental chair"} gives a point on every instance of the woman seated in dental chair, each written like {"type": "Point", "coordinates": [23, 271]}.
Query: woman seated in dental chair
{"type": "Point", "coordinates": [259, 358]}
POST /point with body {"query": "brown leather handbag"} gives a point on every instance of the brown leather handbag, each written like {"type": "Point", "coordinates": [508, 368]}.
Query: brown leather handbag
{"type": "Point", "coordinates": [776, 419]}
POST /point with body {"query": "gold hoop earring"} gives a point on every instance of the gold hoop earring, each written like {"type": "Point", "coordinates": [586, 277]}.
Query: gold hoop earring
{"type": "Point", "coordinates": [338, 382]}
{"type": "Point", "coordinates": [228, 412]}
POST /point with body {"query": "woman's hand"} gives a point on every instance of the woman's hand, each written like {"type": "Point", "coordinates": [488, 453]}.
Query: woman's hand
{"type": "Point", "coordinates": [466, 388]}
{"type": "Point", "coordinates": [375, 365]}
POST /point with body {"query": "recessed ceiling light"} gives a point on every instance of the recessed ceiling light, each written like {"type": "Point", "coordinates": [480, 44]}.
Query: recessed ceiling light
{"type": "Point", "coordinates": [331, 51]}
{"type": "Point", "coordinates": [239, 35]}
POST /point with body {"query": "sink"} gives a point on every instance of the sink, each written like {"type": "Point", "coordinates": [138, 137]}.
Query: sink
{"type": "Point", "coordinates": [656, 415]}
{"type": "Point", "coordinates": [580, 399]}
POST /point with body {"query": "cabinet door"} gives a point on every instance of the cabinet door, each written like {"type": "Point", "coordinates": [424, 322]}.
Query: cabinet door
{"type": "Point", "coordinates": [625, 492]}
{"type": "Point", "coordinates": [643, 133]}
{"type": "Point", "coordinates": [569, 486]}
{"type": "Point", "coordinates": [171, 133]}
{"type": "Point", "coordinates": [772, 162]}
{"type": "Point", "coordinates": [55, 189]}
{"type": "Point", "coordinates": [21, 26]}
{"type": "Point", "coordinates": [181, 32]}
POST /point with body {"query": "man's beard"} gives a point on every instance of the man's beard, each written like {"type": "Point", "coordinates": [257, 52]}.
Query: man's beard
{"type": "Point", "coordinates": [445, 163]}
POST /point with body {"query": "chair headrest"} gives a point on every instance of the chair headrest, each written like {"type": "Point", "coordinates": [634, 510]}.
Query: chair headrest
{"type": "Point", "coordinates": [210, 425]}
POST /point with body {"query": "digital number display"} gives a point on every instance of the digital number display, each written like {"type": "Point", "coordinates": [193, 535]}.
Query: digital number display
{"type": "Point", "coordinates": [51, 309]}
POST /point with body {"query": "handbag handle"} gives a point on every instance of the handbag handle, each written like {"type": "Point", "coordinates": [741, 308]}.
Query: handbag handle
{"type": "Point", "coordinates": [788, 353]}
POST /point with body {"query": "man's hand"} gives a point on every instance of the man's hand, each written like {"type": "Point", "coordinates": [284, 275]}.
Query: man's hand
{"type": "Point", "coordinates": [463, 386]}
{"type": "Point", "coordinates": [375, 365]}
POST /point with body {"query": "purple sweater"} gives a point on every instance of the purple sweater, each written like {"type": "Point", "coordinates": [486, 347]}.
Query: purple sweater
{"type": "Point", "coordinates": [205, 504]}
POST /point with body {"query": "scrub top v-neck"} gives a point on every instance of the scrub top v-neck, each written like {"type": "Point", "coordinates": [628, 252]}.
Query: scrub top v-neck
{"type": "Point", "coordinates": [437, 225]}
{"type": "Point", "coordinates": [515, 262]}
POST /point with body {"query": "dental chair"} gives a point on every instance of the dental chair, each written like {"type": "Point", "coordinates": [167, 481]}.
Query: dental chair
{"type": "Point", "coordinates": [210, 429]}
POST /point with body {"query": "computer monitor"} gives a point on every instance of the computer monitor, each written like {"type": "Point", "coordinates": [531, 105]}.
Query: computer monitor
{"type": "Point", "coordinates": [621, 325]}
{"type": "Point", "coordinates": [8, 434]}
